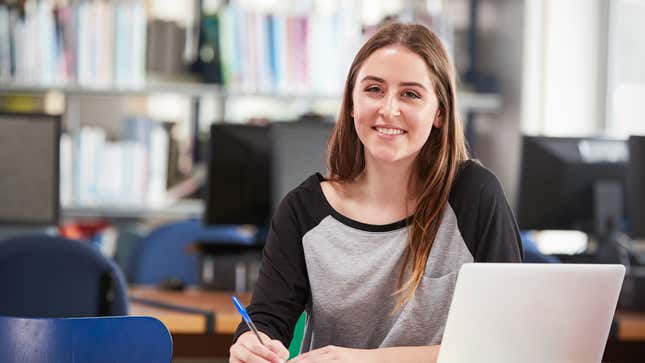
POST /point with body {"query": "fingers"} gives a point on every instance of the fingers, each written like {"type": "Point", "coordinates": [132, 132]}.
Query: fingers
{"type": "Point", "coordinates": [278, 348]}
{"type": "Point", "coordinates": [263, 352]}
{"type": "Point", "coordinates": [311, 356]}
{"type": "Point", "coordinates": [324, 354]}
{"type": "Point", "coordinates": [241, 354]}
{"type": "Point", "coordinates": [249, 350]}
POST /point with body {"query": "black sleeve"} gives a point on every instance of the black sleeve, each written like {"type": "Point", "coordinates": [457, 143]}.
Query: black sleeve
{"type": "Point", "coordinates": [499, 237]}
{"type": "Point", "coordinates": [282, 287]}
{"type": "Point", "coordinates": [485, 219]}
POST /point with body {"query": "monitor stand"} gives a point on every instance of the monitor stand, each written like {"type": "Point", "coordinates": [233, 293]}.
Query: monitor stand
{"type": "Point", "coordinates": [615, 246]}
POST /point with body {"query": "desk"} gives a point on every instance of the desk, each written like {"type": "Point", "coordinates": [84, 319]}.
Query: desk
{"type": "Point", "coordinates": [190, 330]}
{"type": "Point", "coordinates": [629, 344]}
{"type": "Point", "coordinates": [631, 326]}
{"type": "Point", "coordinates": [191, 333]}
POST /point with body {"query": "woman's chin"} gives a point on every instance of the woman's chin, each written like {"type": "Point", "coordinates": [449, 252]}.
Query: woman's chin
{"type": "Point", "coordinates": [386, 157]}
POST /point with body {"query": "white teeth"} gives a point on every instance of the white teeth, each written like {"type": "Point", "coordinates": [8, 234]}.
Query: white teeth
{"type": "Point", "coordinates": [389, 131]}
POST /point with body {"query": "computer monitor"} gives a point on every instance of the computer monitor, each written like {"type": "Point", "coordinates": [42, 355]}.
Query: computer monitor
{"type": "Point", "coordinates": [572, 183]}
{"type": "Point", "coordinates": [239, 167]}
{"type": "Point", "coordinates": [299, 150]}
{"type": "Point", "coordinates": [636, 186]}
{"type": "Point", "coordinates": [29, 169]}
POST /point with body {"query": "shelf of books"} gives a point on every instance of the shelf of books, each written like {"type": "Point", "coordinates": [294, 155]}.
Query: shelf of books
{"type": "Point", "coordinates": [133, 169]}
{"type": "Point", "coordinates": [300, 51]}
{"type": "Point", "coordinates": [468, 101]}
{"type": "Point", "coordinates": [99, 47]}
{"type": "Point", "coordinates": [183, 209]}
{"type": "Point", "coordinates": [182, 88]}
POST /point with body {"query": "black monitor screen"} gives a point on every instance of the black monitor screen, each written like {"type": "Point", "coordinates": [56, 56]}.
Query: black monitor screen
{"type": "Point", "coordinates": [238, 175]}
{"type": "Point", "coordinates": [636, 186]}
{"type": "Point", "coordinates": [298, 151]}
{"type": "Point", "coordinates": [560, 179]}
{"type": "Point", "coordinates": [29, 170]}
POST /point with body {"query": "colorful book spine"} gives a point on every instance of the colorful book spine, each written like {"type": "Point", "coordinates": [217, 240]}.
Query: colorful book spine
{"type": "Point", "coordinates": [297, 52]}
{"type": "Point", "coordinates": [128, 172]}
{"type": "Point", "coordinates": [5, 44]}
{"type": "Point", "coordinates": [93, 43]}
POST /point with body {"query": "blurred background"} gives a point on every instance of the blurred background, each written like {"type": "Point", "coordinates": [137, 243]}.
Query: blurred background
{"type": "Point", "coordinates": [163, 133]}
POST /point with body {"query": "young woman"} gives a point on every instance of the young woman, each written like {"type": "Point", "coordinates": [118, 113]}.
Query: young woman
{"type": "Point", "coordinates": [372, 252]}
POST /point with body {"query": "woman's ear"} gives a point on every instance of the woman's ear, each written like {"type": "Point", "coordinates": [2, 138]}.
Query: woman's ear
{"type": "Point", "coordinates": [438, 120]}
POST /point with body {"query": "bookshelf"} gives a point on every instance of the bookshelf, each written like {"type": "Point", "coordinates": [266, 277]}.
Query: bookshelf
{"type": "Point", "coordinates": [243, 48]}
{"type": "Point", "coordinates": [183, 209]}
{"type": "Point", "coordinates": [192, 89]}
{"type": "Point", "coordinates": [74, 207]}
{"type": "Point", "coordinates": [296, 53]}
{"type": "Point", "coordinates": [468, 100]}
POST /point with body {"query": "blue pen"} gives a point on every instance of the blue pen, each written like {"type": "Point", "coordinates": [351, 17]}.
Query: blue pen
{"type": "Point", "coordinates": [240, 308]}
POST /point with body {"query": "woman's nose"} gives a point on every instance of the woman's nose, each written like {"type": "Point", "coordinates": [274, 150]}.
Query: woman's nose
{"type": "Point", "coordinates": [390, 107]}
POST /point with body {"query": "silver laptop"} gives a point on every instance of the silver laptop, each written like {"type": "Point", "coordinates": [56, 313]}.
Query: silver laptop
{"type": "Point", "coordinates": [531, 313]}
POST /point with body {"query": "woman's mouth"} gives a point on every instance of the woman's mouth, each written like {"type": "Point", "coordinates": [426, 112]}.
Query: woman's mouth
{"type": "Point", "coordinates": [388, 131]}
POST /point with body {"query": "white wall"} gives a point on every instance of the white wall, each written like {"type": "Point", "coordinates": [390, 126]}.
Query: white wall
{"type": "Point", "coordinates": [564, 75]}
{"type": "Point", "coordinates": [626, 73]}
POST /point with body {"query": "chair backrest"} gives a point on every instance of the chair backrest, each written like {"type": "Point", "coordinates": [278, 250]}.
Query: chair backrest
{"type": "Point", "coordinates": [97, 340]}
{"type": "Point", "coordinates": [127, 243]}
{"type": "Point", "coordinates": [47, 276]}
{"type": "Point", "coordinates": [164, 254]}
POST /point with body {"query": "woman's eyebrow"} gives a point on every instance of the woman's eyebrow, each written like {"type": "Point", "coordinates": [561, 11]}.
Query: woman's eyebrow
{"type": "Point", "coordinates": [406, 84]}
{"type": "Point", "coordinates": [373, 78]}
{"type": "Point", "coordinates": [413, 84]}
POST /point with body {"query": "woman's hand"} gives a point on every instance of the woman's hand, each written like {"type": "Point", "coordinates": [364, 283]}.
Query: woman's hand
{"type": "Point", "coordinates": [330, 353]}
{"type": "Point", "coordinates": [248, 349]}
{"type": "Point", "coordinates": [333, 353]}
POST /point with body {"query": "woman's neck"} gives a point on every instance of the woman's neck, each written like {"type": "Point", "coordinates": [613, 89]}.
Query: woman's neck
{"type": "Point", "coordinates": [387, 184]}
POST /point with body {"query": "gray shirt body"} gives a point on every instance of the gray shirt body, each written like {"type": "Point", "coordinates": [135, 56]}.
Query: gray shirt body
{"type": "Point", "coordinates": [353, 275]}
{"type": "Point", "coordinates": [344, 273]}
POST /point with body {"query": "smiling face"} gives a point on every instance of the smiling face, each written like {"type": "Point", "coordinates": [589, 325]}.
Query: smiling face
{"type": "Point", "coordinates": [395, 106]}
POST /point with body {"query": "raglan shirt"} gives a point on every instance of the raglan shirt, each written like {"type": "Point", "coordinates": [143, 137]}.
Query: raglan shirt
{"type": "Point", "coordinates": [343, 273]}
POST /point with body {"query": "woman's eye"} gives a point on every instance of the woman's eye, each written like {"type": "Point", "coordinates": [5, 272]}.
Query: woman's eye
{"type": "Point", "coordinates": [411, 94]}
{"type": "Point", "coordinates": [373, 89]}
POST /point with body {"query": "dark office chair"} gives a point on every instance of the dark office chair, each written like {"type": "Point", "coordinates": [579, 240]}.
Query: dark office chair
{"type": "Point", "coordinates": [164, 254]}
{"type": "Point", "coordinates": [54, 277]}
{"type": "Point", "coordinates": [92, 340]}
{"type": "Point", "coordinates": [128, 240]}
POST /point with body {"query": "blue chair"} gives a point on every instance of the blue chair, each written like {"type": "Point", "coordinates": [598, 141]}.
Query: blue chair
{"type": "Point", "coordinates": [88, 340]}
{"type": "Point", "coordinates": [54, 277]}
{"type": "Point", "coordinates": [164, 254]}
{"type": "Point", "coordinates": [127, 243]}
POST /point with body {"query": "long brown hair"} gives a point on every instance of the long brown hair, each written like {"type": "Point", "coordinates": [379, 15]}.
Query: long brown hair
{"type": "Point", "coordinates": [438, 161]}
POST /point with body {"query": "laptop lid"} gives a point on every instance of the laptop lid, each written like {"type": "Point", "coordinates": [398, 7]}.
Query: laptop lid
{"type": "Point", "coordinates": [531, 313]}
